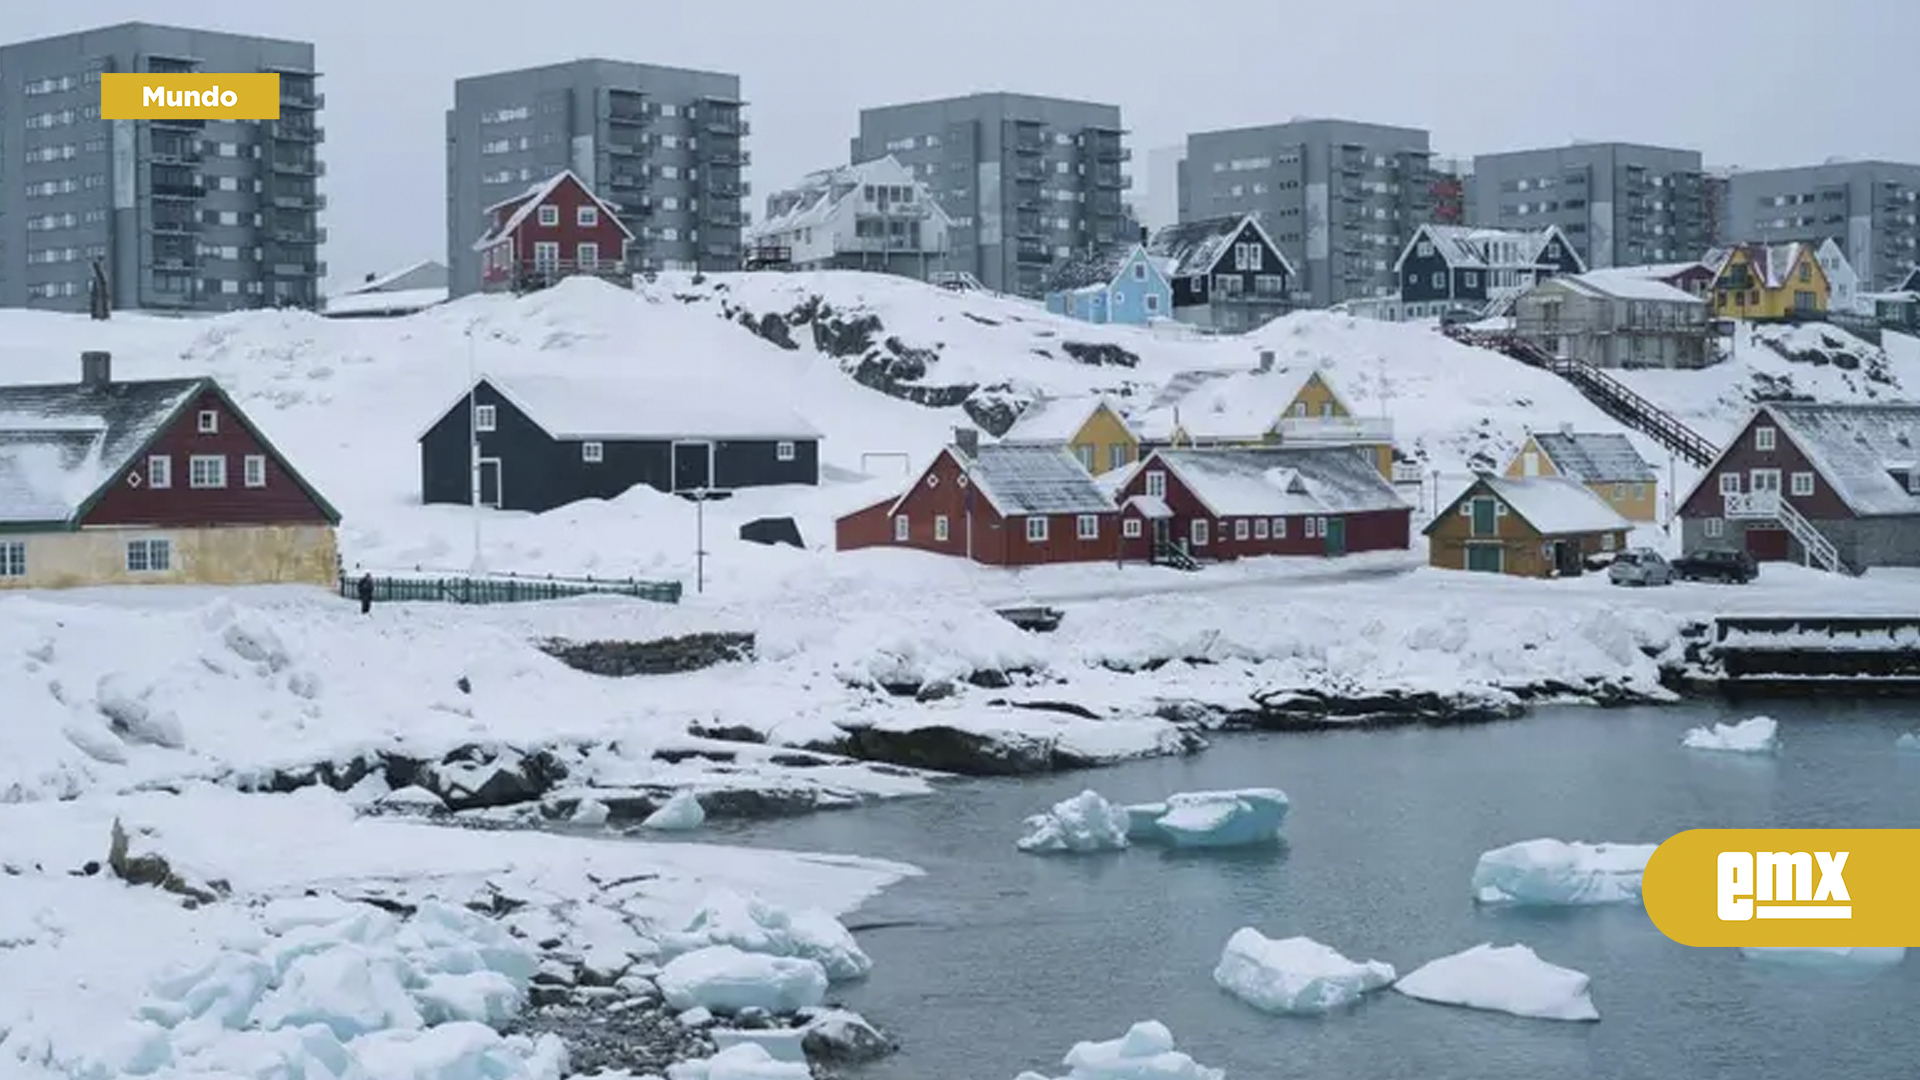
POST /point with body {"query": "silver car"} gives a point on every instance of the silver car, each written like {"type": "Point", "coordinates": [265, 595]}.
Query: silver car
{"type": "Point", "coordinates": [1640, 566]}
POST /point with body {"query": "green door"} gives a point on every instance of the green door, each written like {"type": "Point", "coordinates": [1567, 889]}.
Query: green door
{"type": "Point", "coordinates": [1485, 557]}
{"type": "Point", "coordinates": [1484, 521]}
{"type": "Point", "coordinates": [1336, 536]}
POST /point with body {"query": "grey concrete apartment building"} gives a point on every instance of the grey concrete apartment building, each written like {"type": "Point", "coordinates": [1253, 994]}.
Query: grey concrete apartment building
{"type": "Point", "coordinates": [183, 215]}
{"type": "Point", "coordinates": [1028, 181]}
{"type": "Point", "coordinates": [665, 145]}
{"type": "Point", "coordinates": [1341, 198]}
{"type": "Point", "coordinates": [1871, 208]}
{"type": "Point", "coordinates": [1620, 204]}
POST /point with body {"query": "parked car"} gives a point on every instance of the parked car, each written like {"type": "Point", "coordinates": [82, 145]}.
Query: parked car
{"type": "Point", "coordinates": [1716, 564]}
{"type": "Point", "coordinates": [1460, 316]}
{"type": "Point", "coordinates": [1640, 566]}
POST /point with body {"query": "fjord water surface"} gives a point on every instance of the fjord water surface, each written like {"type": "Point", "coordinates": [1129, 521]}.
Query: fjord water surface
{"type": "Point", "coordinates": [1000, 961]}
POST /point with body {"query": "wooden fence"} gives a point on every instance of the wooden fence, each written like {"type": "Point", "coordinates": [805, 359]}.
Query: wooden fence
{"type": "Point", "coordinates": [502, 588]}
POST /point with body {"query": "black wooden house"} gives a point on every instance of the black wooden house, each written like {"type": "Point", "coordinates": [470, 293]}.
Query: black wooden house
{"type": "Point", "coordinates": [547, 440]}
{"type": "Point", "coordinates": [1452, 266]}
{"type": "Point", "coordinates": [1226, 272]}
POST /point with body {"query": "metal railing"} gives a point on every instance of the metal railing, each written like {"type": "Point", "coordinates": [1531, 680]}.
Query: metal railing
{"type": "Point", "coordinates": [502, 588]}
{"type": "Point", "coordinates": [1771, 506]}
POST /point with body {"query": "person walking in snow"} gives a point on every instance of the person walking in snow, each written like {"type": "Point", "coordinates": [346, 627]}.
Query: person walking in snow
{"type": "Point", "coordinates": [365, 590]}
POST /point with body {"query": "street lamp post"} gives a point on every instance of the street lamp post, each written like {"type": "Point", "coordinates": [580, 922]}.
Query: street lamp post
{"type": "Point", "coordinates": [700, 539]}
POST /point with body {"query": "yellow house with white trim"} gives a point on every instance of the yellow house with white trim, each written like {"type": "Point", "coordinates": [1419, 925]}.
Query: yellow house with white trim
{"type": "Point", "coordinates": [1268, 406]}
{"type": "Point", "coordinates": [1604, 463]}
{"type": "Point", "coordinates": [1089, 427]}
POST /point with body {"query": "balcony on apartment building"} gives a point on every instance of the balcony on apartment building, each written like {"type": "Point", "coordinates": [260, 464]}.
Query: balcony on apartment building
{"type": "Point", "coordinates": [729, 157]}
{"type": "Point", "coordinates": [173, 148]}
{"type": "Point", "coordinates": [722, 215]}
{"type": "Point", "coordinates": [1111, 178]}
{"type": "Point", "coordinates": [628, 108]}
{"type": "Point", "coordinates": [630, 145]}
{"type": "Point", "coordinates": [1032, 251]}
{"type": "Point", "coordinates": [725, 124]}
{"type": "Point", "coordinates": [286, 198]}
{"type": "Point", "coordinates": [1029, 227]}
{"type": "Point", "coordinates": [176, 123]}
{"type": "Point", "coordinates": [174, 182]}
{"type": "Point", "coordinates": [173, 219]}
{"type": "Point", "coordinates": [175, 252]}
{"type": "Point", "coordinates": [297, 164]}
{"type": "Point", "coordinates": [628, 180]}
{"type": "Point", "coordinates": [1029, 172]}
{"type": "Point", "coordinates": [298, 229]}
{"type": "Point", "coordinates": [883, 245]}
{"type": "Point", "coordinates": [295, 130]}
{"type": "Point", "coordinates": [727, 189]}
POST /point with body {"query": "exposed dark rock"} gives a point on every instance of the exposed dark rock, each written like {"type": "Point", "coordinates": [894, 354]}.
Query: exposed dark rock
{"type": "Point", "coordinates": [947, 749]}
{"type": "Point", "coordinates": [772, 327]}
{"type": "Point", "coordinates": [673, 755]}
{"type": "Point", "coordinates": [1314, 710]}
{"type": "Point", "coordinates": [151, 868]}
{"type": "Point", "coordinates": [1189, 713]}
{"type": "Point", "coordinates": [727, 733]}
{"type": "Point", "coordinates": [876, 374]}
{"type": "Point", "coordinates": [511, 777]}
{"type": "Point", "coordinates": [993, 413]}
{"type": "Point", "coordinates": [464, 686]}
{"type": "Point", "coordinates": [937, 690]}
{"type": "Point", "coordinates": [908, 358]}
{"type": "Point", "coordinates": [838, 1038]}
{"type": "Point", "coordinates": [1066, 707]}
{"type": "Point", "coordinates": [1103, 355]}
{"type": "Point", "coordinates": [981, 319]}
{"type": "Point", "coordinates": [842, 338]}
{"type": "Point", "coordinates": [662, 656]}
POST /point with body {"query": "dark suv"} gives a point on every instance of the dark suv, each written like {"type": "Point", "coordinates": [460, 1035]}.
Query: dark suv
{"type": "Point", "coordinates": [1714, 564]}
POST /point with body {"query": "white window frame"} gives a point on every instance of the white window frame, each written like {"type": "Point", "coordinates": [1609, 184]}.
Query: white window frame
{"type": "Point", "coordinates": [148, 547]}
{"type": "Point", "coordinates": [214, 476]}
{"type": "Point", "coordinates": [1765, 438]}
{"type": "Point", "coordinates": [784, 450]}
{"type": "Point", "coordinates": [1606, 541]}
{"type": "Point", "coordinates": [593, 452]}
{"type": "Point", "coordinates": [1242, 528]}
{"type": "Point", "coordinates": [902, 528]}
{"type": "Point", "coordinates": [485, 418]}
{"type": "Point", "coordinates": [1036, 529]}
{"type": "Point", "coordinates": [1116, 456]}
{"type": "Point", "coordinates": [1246, 256]}
{"type": "Point", "coordinates": [1714, 527]}
{"type": "Point", "coordinates": [587, 216]}
{"type": "Point", "coordinates": [1153, 303]}
{"type": "Point", "coordinates": [586, 255]}
{"type": "Point", "coordinates": [253, 470]}
{"type": "Point", "coordinates": [209, 422]}
{"type": "Point", "coordinates": [1729, 483]}
{"type": "Point", "coordinates": [1310, 532]}
{"type": "Point", "coordinates": [1130, 528]}
{"type": "Point", "coordinates": [1279, 528]}
{"type": "Point", "coordinates": [1802, 485]}
{"type": "Point", "coordinates": [940, 529]}
{"type": "Point", "coordinates": [1260, 528]}
{"type": "Point", "coordinates": [1087, 527]}
{"type": "Point", "coordinates": [159, 470]}
{"type": "Point", "coordinates": [546, 253]}
{"type": "Point", "coordinates": [549, 216]}
{"type": "Point", "coordinates": [13, 558]}
{"type": "Point", "coordinates": [1157, 484]}
{"type": "Point", "coordinates": [1198, 532]}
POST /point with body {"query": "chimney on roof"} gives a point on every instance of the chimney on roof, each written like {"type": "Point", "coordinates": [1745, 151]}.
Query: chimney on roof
{"type": "Point", "coordinates": [370, 276]}
{"type": "Point", "coordinates": [1143, 234]}
{"type": "Point", "coordinates": [1566, 428]}
{"type": "Point", "coordinates": [1266, 359]}
{"type": "Point", "coordinates": [967, 440]}
{"type": "Point", "coordinates": [96, 368]}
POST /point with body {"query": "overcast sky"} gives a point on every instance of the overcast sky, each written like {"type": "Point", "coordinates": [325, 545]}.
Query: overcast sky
{"type": "Point", "coordinates": [1761, 83]}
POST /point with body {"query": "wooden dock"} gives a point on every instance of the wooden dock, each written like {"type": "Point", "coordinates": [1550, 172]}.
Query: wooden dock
{"type": "Point", "coordinates": [1806, 654]}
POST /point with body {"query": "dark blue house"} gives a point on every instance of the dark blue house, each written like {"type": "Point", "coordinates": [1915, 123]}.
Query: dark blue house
{"type": "Point", "coordinates": [1444, 267]}
{"type": "Point", "coordinates": [549, 440]}
{"type": "Point", "coordinates": [1226, 272]}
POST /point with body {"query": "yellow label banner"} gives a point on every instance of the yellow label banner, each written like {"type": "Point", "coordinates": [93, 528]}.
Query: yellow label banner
{"type": "Point", "coordinates": [247, 95]}
{"type": "Point", "coordinates": [1806, 888]}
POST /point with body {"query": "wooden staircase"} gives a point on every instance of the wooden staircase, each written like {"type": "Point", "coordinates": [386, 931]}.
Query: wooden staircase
{"type": "Point", "coordinates": [1175, 556]}
{"type": "Point", "coordinates": [1769, 506]}
{"type": "Point", "coordinates": [1607, 393]}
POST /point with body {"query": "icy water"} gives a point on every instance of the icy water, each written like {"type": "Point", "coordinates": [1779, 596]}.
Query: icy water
{"type": "Point", "coordinates": [1008, 959]}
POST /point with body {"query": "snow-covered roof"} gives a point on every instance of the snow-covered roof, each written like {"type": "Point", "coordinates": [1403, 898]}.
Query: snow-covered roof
{"type": "Point", "coordinates": [1627, 285]}
{"type": "Point", "coordinates": [1856, 448]}
{"type": "Point", "coordinates": [1272, 481]}
{"type": "Point", "coordinates": [425, 274]}
{"type": "Point", "coordinates": [1595, 457]}
{"type": "Point", "coordinates": [819, 195]}
{"type": "Point", "coordinates": [1236, 405]}
{"type": "Point", "coordinates": [610, 410]}
{"type": "Point", "coordinates": [1468, 248]}
{"type": "Point", "coordinates": [1552, 505]}
{"type": "Point", "coordinates": [1024, 480]}
{"type": "Point", "coordinates": [1653, 271]}
{"type": "Point", "coordinates": [1095, 270]}
{"type": "Point", "coordinates": [1773, 262]}
{"type": "Point", "coordinates": [526, 202]}
{"type": "Point", "coordinates": [398, 302]}
{"type": "Point", "coordinates": [1150, 507]}
{"type": "Point", "coordinates": [1052, 421]}
{"type": "Point", "coordinates": [59, 443]}
{"type": "Point", "coordinates": [1193, 247]}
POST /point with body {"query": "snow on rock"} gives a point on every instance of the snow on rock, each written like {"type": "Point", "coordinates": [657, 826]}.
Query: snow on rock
{"type": "Point", "coordinates": [1555, 872]}
{"type": "Point", "coordinates": [725, 980]}
{"type": "Point", "coordinates": [839, 1036]}
{"type": "Point", "coordinates": [1760, 735]}
{"type": "Point", "coordinates": [1145, 1052]}
{"type": "Point", "coordinates": [1508, 978]}
{"type": "Point", "coordinates": [681, 812]}
{"type": "Point", "coordinates": [1294, 975]}
{"type": "Point", "coordinates": [742, 1061]}
{"type": "Point", "coordinates": [1835, 957]}
{"type": "Point", "coordinates": [1210, 818]}
{"type": "Point", "coordinates": [755, 925]}
{"type": "Point", "coordinates": [1086, 822]}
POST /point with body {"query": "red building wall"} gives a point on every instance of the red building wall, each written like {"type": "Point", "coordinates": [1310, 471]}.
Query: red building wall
{"type": "Point", "coordinates": [1744, 455]}
{"type": "Point", "coordinates": [567, 197]}
{"type": "Point", "coordinates": [1372, 530]}
{"type": "Point", "coordinates": [941, 491]}
{"type": "Point", "coordinates": [281, 501]}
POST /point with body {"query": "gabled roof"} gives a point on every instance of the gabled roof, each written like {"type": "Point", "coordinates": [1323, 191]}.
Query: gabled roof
{"type": "Point", "coordinates": [1552, 505]}
{"type": "Point", "coordinates": [1467, 248]}
{"type": "Point", "coordinates": [571, 407]}
{"type": "Point", "coordinates": [1773, 262]}
{"type": "Point", "coordinates": [1053, 421]}
{"type": "Point", "coordinates": [1595, 457]}
{"type": "Point", "coordinates": [1230, 405]}
{"type": "Point", "coordinates": [1021, 481]}
{"type": "Point", "coordinates": [1624, 285]}
{"type": "Point", "coordinates": [425, 274]}
{"type": "Point", "coordinates": [1195, 247]}
{"type": "Point", "coordinates": [61, 444]}
{"type": "Point", "coordinates": [1099, 268]}
{"type": "Point", "coordinates": [819, 196]}
{"type": "Point", "coordinates": [526, 202]}
{"type": "Point", "coordinates": [1281, 481]}
{"type": "Point", "coordinates": [1856, 449]}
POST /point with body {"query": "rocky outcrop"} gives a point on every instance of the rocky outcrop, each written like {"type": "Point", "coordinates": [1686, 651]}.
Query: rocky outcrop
{"type": "Point", "coordinates": [946, 749]}
{"type": "Point", "coordinates": [150, 868]}
{"type": "Point", "coordinates": [662, 656]}
{"type": "Point", "coordinates": [1101, 354]}
{"type": "Point", "coordinates": [1318, 710]}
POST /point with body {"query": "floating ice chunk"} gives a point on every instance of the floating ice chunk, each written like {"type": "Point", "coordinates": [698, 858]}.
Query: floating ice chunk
{"type": "Point", "coordinates": [1909, 741]}
{"type": "Point", "coordinates": [753, 925]}
{"type": "Point", "coordinates": [589, 812]}
{"type": "Point", "coordinates": [1294, 975]}
{"type": "Point", "coordinates": [1210, 818]}
{"type": "Point", "coordinates": [462, 1051]}
{"type": "Point", "coordinates": [742, 1061]}
{"type": "Point", "coordinates": [781, 1044]}
{"type": "Point", "coordinates": [1083, 823]}
{"type": "Point", "coordinates": [678, 814]}
{"type": "Point", "coordinates": [1556, 872]}
{"type": "Point", "coordinates": [1509, 979]}
{"type": "Point", "coordinates": [1145, 1052]}
{"type": "Point", "coordinates": [1760, 735]}
{"type": "Point", "coordinates": [725, 980]}
{"type": "Point", "coordinates": [1842, 958]}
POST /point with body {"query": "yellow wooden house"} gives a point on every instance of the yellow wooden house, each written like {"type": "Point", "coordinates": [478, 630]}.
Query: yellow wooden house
{"type": "Point", "coordinates": [1605, 463]}
{"type": "Point", "coordinates": [1088, 426]}
{"type": "Point", "coordinates": [1266, 407]}
{"type": "Point", "coordinates": [1547, 526]}
{"type": "Point", "coordinates": [1768, 281]}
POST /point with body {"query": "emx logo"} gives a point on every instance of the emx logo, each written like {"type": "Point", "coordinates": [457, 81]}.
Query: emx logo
{"type": "Point", "coordinates": [1757, 888]}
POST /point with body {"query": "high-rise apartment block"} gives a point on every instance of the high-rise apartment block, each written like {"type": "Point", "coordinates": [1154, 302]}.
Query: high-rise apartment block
{"type": "Point", "coordinates": [181, 215]}
{"type": "Point", "coordinates": [1028, 181]}
{"type": "Point", "coordinates": [1620, 204]}
{"type": "Point", "coordinates": [1871, 208]}
{"type": "Point", "coordinates": [664, 145]}
{"type": "Point", "coordinates": [1340, 198]}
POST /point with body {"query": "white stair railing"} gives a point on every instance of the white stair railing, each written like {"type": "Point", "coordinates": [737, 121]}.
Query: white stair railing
{"type": "Point", "coordinates": [1769, 506]}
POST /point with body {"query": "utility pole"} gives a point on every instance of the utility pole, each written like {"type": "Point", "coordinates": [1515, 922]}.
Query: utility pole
{"type": "Point", "coordinates": [699, 540]}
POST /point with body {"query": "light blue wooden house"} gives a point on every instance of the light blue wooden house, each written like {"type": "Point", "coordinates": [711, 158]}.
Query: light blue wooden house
{"type": "Point", "coordinates": [1118, 285]}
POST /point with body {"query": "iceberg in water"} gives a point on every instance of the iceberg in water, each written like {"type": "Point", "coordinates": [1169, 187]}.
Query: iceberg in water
{"type": "Point", "coordinates": [1555, 872]}
{"type": "Point", "coordinates": [1210, 818]}
{"type": "Point", "coordinates": [1083, 823]}
{"type": "Point", "coordinates": [1295, 975]}
{"type": "Point", "coordinates": [753, 925]}
{"type": "Point", "coordinates": [1808, 956]}
{"type": "Point", "coordinates": [724, 980]}
{"type": "Point", "coordinates": [1145, 1052]}
{"type": "Point", "coordinates": [1760, 735]}
{"type": "Point", "coordinates": [677, 814]}
{"type": "Point", "coordinates": [1508, 979]}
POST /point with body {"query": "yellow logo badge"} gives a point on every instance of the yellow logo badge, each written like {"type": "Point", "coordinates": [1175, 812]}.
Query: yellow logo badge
{"type": "Point", "coordinates": [1807, 888]}
{"type": "Point", "coordinates": [252, 95]}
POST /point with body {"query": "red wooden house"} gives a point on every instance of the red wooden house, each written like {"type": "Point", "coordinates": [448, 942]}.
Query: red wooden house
{"type": "Point", "coordinates": [1236, 502]}
{"type": "Point", "coordinates": [552, 230]}
{"type": "Point", "coordinates": [998, 504]}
